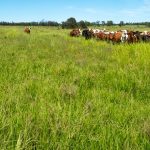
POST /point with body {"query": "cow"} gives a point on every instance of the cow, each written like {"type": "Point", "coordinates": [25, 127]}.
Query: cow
{"type": "Point", "coordinates": [117, 37]}
{"type": "Point", "coordinates": [75, 33]}
{"type": "Point", "coordinates": [145, 38]}
{"type": "Point", "coordinates": [107, 35]}
{"type": "Point", "coordinates": [148, 33]}
{"type": "Point", "coordinates": [138, 36]}
{"type": "Point", "coordinates": [101, 35]}
{"type": "Point", "coordinates": [124, 36]}
{"type": "Point", "coordinates": [133, 37]}
{"type": "Point", "coordinates": [87, 33]}
{"type": "Point", "coordinates": [27, 30]}
{"type": "Point", "coordinates": [98, 30]}
{"type": "Point", "coordinates": [111, 36]}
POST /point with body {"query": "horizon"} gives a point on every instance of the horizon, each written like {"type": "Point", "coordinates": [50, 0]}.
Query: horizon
{"type": "Point", "coordinates": [114, 23]}
{"type": "Point", "coordinates": [37, 10]}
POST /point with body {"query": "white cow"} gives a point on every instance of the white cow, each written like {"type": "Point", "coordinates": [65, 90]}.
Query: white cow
{"type": "Point", "coordinates": [124, 36]}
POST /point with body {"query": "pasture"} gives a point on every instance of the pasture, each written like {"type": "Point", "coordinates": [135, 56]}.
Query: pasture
{"type": "Point", "coordinates": [59, 92]}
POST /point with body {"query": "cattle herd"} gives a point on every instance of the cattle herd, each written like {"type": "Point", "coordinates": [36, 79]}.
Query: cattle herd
{"type": "Point", "coordinates": [121, 36]}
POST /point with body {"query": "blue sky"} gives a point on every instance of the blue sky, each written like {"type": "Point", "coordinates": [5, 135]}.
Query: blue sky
{"type": "Point", "coordinates": [60, 10]}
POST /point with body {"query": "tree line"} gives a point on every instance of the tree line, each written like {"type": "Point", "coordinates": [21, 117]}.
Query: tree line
{"type": "Point", "coordinates": [71, 23]}
{"type": "Point", "coordinates": [42, 23]}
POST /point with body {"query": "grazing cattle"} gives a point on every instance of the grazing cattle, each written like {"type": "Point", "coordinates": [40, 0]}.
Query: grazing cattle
{"type": "Point", "coordinates": [27, 30]}
{"type": "Point", "coordinates": [121, 36]}
{"type": "Point", "coordinates": [137, 36]}
{"type": "Point", "coordinates": [98, 30]}
{"type": "Point", "coordinates": [133, 37]}
{"type": "Point", "coordinates": [106, 36]}
{"type": "Point", "coordinates": [148, 33]}
{"type": "Point", "coordinates": [111, 36]}
{"type": "Point", "coordinates": [87, 33]}
{"type": "Point", "coordinates": [145, 32]}
{"type": "Point", "coordinates": [130, 37]}
{"type": "Point", "coordinates": [117, 37]}
{"type": "Point", "coordinates": [102, 35]}
{"type": "Point", "coordinates": [145, 38]}
{"type": "Point", "coordinates": [75, 33]}
{"type": "Point", "coordinates": [124, 36]}
{"type": "Point", "coordinates": [95, 31]}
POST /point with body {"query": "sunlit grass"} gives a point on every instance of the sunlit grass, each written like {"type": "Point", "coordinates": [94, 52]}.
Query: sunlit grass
{"type": "Point", "coordinates": [58, 92]}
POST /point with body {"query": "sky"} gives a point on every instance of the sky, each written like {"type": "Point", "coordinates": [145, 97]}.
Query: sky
{"type": "Point", "coordinates": [61, 10]}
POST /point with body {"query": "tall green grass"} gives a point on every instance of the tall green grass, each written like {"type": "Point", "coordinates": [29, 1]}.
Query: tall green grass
{"type": "Point", "coordinates": [58, 92]}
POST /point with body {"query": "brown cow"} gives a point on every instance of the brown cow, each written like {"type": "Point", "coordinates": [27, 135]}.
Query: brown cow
{"type": "Point", "coordinates": [117, 37]}
{"type": "Point", "coordinates": [111, 36]}
{"type": "Point", "coordinates": [75, 33]}
{"type": "Point", "coordinates": [132, 37]}
{"type": "Point", "coordinates": [101, 36]}
{"type": "Point", "coordinates": [27, 30]}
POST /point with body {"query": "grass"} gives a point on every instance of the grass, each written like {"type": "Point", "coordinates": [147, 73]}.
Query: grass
{"type": "Point", "coordinates": [58, 92]}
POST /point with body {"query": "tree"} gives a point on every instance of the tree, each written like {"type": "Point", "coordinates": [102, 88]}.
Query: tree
{"type": "Point", "coordinates": [71, 23]}
{"type": "Point", "coordinates": [88, 23]}
{"type": "Point", "coordinates": [110, 23]}
{"type": "Point", "coordinates": [64, 25]}
{"type": "Point", "coordinates": [82, 24]}
{"type": "Point", "coordinates": [121, 23]}
{"type": "Point", "coordinates": [103, 23]}
{"type": "Point", "coordinates": [97, 23]}
{"type": "Point", "coordinates": [52, 23]}
{"type": "Point", "coordinates": [147, 24]}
